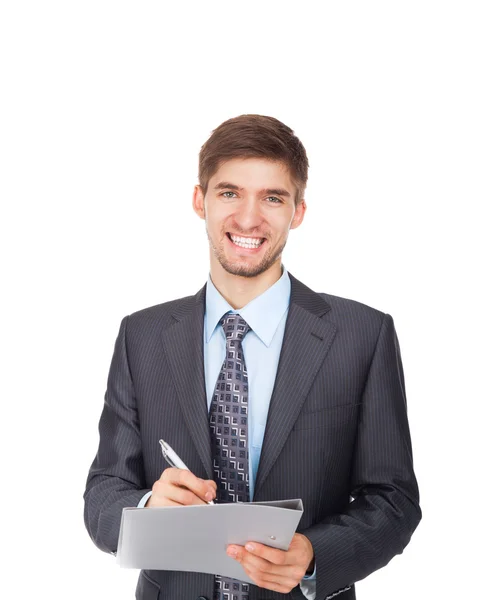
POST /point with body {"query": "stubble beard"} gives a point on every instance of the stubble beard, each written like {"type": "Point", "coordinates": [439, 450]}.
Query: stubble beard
{"type": "Point", "coordinates": [244, 270]}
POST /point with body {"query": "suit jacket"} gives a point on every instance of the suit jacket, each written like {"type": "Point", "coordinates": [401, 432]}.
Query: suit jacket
{"type": "Point", "coordinates": [337, 435]}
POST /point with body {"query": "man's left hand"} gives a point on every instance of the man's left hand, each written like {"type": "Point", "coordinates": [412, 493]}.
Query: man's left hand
{"type": "Point", "coordinates": [276, 570]}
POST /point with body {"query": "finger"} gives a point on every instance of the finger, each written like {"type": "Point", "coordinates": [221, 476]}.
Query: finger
{"type": "Point", "coordinates": [272, 555]}
{"type": "Point", "coordinates": [175, 493]}
{"type": "Point", "coordinates": [255, 563]}
{"type": "Point", "coordinates": [266, 575]}
{"type": "Point", "coordinates": [181, 477]}
{"type": "Point", "coordinates": [204, 489]}
{"type": "Point", "coordinates": [156, 501]}
{"type": "Point", "coordinates": [289, 577]}
{"type": "Point", "coordinates": [281, 585]}
{"type": "Point", "coordinates": [211, 483]}
{"type": "Point", "coordinates": [289, 581]}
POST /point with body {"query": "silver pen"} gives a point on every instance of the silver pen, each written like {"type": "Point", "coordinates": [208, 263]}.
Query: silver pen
{"type": "Point", "coordinates": [173, 459]}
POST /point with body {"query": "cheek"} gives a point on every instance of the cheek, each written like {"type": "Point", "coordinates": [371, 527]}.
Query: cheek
{"type": "Point", "coordinates": [281, 229]}
{"type": "Point", "coordinates": [216, 231]}
{"type": "Point", "coordinates": [280, 223]}
{"type": "Point", "coordinates": [219, 218]}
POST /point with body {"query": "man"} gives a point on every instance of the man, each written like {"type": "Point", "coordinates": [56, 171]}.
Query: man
{"type": "Point", "coordinates": [266, 389]}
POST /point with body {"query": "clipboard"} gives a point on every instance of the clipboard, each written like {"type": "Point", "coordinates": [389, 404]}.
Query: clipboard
{"type": "Point", "coordinates": [195, 538]}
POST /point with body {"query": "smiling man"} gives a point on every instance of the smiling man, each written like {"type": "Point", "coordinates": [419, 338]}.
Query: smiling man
{"type": "Point", "coordinates": [266, 389]}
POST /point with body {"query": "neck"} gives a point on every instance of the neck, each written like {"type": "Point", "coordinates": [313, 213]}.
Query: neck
{"type": "Point", "coordinates": [238, 291]}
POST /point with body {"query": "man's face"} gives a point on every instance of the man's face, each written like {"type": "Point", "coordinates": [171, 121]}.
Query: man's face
{"type": "Point", "coordinates": [249, 208]}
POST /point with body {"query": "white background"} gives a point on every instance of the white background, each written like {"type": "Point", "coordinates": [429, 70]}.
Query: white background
{"type": "Point", "coordinates": [104, 107]}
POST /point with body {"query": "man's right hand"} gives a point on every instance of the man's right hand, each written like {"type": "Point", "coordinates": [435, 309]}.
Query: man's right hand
{"type": "Point", "coordinates": [179, 487]}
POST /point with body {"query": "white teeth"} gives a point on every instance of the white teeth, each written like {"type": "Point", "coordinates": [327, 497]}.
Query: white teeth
{"type": "Point", "coordinates": [246, 242]}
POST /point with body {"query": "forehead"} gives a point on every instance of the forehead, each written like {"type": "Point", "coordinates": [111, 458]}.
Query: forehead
{"type": "Point", "coordinates": [253, 174]}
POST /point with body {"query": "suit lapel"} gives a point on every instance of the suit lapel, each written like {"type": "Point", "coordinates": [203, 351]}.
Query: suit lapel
{"type": "Point", "coordinates": [306, 342]}
{"type": "Point", "coordinates": [183, 344]}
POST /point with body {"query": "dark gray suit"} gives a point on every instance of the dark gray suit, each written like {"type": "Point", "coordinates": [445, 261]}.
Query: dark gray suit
{"type": "Point", "coordinates": [337, 427]}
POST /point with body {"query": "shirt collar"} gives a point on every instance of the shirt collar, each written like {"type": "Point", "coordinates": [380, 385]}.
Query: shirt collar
{"type": "Point", "coordinates": [263, 313]}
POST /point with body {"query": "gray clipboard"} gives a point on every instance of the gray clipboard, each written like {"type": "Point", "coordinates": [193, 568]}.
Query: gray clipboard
{"type": "Point", "coordinates": [195, 538]}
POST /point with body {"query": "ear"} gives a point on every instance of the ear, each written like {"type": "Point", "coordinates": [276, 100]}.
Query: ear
{"type": "Point", "coordinates": [299, 214]}
{"type": "Point", "coordinates": [199, 202]}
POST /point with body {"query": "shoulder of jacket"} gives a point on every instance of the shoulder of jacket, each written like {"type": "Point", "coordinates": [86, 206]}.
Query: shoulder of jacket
{"type": "Point", "coordinates": [158, 313]}
{"type": "Point", "coordinates": [346, 307]}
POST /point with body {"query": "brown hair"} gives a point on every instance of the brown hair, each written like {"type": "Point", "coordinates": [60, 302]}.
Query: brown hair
{"type": "Point", "coordinates": [254, 136]}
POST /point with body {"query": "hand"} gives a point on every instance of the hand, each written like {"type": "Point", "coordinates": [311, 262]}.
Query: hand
{"type": "Point", "coordinates": [179, 487]}
{"type": "Point", "coordinates": [276, 570]}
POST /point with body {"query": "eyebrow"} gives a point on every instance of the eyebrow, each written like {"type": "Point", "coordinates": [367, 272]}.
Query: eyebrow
{"type": "Point", "coordinates": [224, 185]}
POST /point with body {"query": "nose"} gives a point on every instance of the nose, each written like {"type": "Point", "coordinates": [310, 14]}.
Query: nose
{"type": "Point", "coordinates": [248, 215]}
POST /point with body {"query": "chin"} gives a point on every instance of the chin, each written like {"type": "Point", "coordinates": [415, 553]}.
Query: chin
{"type": "Point", "coordinates": [244, 269]}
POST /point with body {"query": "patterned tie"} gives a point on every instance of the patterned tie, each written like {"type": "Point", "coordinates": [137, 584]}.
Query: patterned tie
{"type": "Point", "coordinates": [229, 436]}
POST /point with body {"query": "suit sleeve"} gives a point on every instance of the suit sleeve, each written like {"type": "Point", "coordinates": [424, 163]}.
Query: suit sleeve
{"type": "Point", "coordinates": [116, 477]}
{"type": "Point", "coordinates": [379, 522]}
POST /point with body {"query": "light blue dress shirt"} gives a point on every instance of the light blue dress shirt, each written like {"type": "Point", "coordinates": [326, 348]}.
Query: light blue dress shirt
{"type": "Point", "coordinates": [266, 314]}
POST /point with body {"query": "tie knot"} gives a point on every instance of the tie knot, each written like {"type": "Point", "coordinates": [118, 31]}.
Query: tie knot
{"type": "Point", "coordinates": [235, 327]}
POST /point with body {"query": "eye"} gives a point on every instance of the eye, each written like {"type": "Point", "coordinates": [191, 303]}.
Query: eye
{"type": "Point", "coordinates": [277, 200]}
{"type": "Point", "coordinates": [223, 194]}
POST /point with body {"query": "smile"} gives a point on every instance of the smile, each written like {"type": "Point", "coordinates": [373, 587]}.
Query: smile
{"type": "Point", "coordinates": [245, 242]}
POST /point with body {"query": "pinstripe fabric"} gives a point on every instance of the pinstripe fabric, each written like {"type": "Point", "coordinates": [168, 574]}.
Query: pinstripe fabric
{"type": "Point", "coordinates": [337, 427]}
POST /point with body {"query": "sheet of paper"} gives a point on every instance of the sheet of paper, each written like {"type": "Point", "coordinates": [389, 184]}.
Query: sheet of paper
{"type": "Point", "coordinates": [195, 538]}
